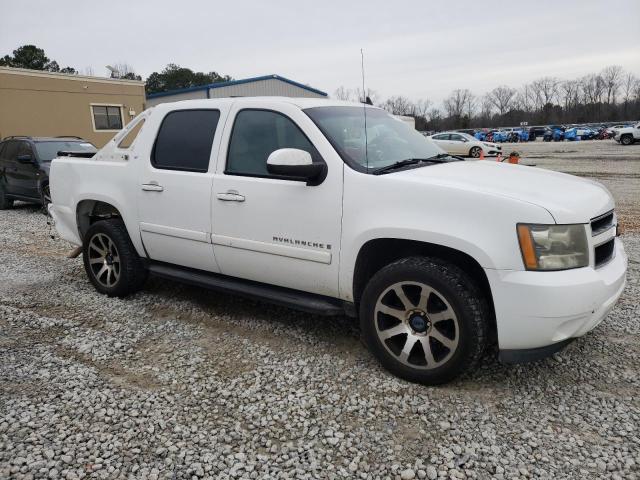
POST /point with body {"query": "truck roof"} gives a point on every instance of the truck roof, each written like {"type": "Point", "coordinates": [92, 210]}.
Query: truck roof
{"type": "Point", "coordinates": [298, 101]}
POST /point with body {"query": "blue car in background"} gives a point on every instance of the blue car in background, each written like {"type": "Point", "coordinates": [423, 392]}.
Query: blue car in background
{"type": "Point", "coordinates": [555, 133]}
{"type": "Point", "coordinates": [499, 136]}
{"type": "Point", "coordinates": [579, 133]}
{"type": "Point", "coordinates": [480, 135]}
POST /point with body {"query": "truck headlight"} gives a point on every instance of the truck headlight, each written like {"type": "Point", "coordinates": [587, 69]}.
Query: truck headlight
{"type": "Point", "coordinates": [553, 247]}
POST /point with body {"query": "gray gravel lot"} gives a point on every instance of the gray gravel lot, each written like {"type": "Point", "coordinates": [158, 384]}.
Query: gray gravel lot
{"type": "Point", "coordinates": [180, 382]}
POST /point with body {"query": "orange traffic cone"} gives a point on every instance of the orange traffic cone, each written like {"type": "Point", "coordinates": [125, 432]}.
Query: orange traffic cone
{"type": "Point", "coordinates": [481, 155]}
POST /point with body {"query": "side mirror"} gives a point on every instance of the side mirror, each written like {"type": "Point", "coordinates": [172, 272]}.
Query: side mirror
{"type": "Point", "coordinates": [25, 158]}
{"type": "Point", "coordinates": [297, 164]}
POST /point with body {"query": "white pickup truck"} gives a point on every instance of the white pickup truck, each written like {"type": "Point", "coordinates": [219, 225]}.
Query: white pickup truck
{"type": "Point", "coordinates": [627, 135]}
{"type": "Point", "coordinates": [295, 202]}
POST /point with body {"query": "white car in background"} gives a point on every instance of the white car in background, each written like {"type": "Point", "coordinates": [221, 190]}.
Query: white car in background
{"type": "Point", "coordinates": [458, 143]}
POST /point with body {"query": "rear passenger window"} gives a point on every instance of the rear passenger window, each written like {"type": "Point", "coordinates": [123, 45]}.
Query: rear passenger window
{"type": "Point", "coordinates": [258, 133]}
{"type": "Point", "coordinates": [184, 140]}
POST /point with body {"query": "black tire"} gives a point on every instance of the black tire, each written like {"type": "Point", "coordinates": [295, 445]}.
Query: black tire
{"type": "Point", "coordinates": [463, 298]}
{"type": "Point", "coordinates": [45, 198]}
{"type": "Point", "coordinates": [475, 152]}
{"type": "Point", "coordinates": [5, 203]}
{"type": "Point", "coordinates": [626, 140]}
{"type": "Point", "coordinates": [127, 274]}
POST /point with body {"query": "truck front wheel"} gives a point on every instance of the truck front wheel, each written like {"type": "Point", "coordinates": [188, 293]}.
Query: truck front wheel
{"type": "Point", "coordinates": [110, 259]}
{"type": "Point", "coordinates": [424, 319]}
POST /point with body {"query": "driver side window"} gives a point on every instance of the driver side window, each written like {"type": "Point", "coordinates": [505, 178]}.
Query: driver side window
{"type": "Point", "coordinates": [257, 134]}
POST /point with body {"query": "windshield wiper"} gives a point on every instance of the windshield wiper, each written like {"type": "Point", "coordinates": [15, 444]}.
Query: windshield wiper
{"type": "Point", "coordinates": [439, 158]}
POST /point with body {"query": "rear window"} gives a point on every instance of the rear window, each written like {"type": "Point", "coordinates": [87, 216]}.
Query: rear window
{"type": "Point", "coordinates": [185, 139]}
{"type": "Point", "coordinates": [47, 151]}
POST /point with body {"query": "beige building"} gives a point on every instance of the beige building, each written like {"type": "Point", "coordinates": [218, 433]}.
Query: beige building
{"type": "Point", "coordinates": [38, 103]}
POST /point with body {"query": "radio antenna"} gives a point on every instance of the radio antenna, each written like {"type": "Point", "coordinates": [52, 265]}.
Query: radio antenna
{"type": "Point", "coordinates": [364, 106]}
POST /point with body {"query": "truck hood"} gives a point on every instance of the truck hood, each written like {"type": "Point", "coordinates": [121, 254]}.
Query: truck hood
{"type": "Point", "coordinates": [567, 198]}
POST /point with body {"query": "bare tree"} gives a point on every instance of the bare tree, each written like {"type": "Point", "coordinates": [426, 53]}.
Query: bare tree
{"type": "Point", "coordinates": [343, 93]}
{"type": "Point", "coordinates": [628, 87]}
{"type": "Point", "coordinates": [421, 107]}
{"type": "Point", "coordinates": [458, 102]}
{"type": "Point", "coordinates": [371, 94]}
{"type": "Point", "coordinates": [612, 79]}
{"type": "Point", "coordinates": [570, 92]}
{"type": "Point", "coordinates": [502, 98]}
{"type": "Point", "coordinates": [125, 71]}
{"type": "Point", "coordinates": [486, 107]}
{"type": "Point", "coordinates": [545, 91]}
{"type": "Point", "coordinates": [592, 88]}
{"type": "Point", "coordinates": [399, 105]}
{"type": "Point", "coordinates": [470, 105]}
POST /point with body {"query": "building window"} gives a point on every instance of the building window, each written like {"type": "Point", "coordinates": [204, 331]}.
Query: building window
{"type": "Point", "coordinates": [107, 117]}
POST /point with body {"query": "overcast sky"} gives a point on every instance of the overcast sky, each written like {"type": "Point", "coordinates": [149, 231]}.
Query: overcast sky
{"type": "Point", "coordinates": [420, 49]}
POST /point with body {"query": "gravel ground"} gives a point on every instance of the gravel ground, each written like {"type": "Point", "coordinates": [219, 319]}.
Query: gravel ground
{"type": "Point", "coordinates": [179, 382]}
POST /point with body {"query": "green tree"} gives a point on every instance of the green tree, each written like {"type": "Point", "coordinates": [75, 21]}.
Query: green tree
{"type": "Point", "coordinates": [174, 77]}
{"type": "Point", "coordinates": [34, 58]}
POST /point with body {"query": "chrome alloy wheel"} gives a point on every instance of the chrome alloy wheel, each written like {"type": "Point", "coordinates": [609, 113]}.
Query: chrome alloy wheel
{"type": "Point", "coordinates": [416, 325]}
{"type": "Point", "coordinates": [104, 260]}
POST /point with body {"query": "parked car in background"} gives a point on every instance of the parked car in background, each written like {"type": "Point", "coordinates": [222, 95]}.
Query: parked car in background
{"type": "Point", "coordinates": [628, 135]}
{"type": "Point", "coordinates": [499, 136]}
{"type": "Point", "coordinates": [579, 133]}
{"type": "Point", "coordinates": [555, 133]}
{"type": "Point", "coordinates": [535, 132]}
{"type": "Point", "coordinates": [25, 163]}
{"type": "Point", "coordinates": [457, 143]}
{"type": "Point", "coordinates": [468, 131]}
{"type": "Point", "coordinates": [612, 130]}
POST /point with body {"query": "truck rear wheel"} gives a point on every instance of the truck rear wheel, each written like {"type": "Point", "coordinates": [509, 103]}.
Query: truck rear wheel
{"type": "Point", "coordinates": [424, 319]}
{"type": "Point", "coordinates": [110, 259]}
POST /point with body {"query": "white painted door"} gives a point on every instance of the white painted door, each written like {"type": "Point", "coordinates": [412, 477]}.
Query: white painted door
{"type": "Point", "coordinates": [274, 230]}
{"type": "Point", "coordinates": [174, 201]}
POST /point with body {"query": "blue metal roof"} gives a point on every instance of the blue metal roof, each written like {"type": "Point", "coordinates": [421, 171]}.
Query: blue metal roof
{"type": "Point", "coordinates": [236, 82]}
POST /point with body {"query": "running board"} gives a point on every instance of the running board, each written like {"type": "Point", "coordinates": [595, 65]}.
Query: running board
{"type": "Point", "coordinates": [303, 301]}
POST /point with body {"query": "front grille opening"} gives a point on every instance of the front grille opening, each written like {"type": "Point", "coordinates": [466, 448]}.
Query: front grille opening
{"type": "Point", "coordinates": [602, 223]}
{"type": "Point", "coordinates": [604, 252]}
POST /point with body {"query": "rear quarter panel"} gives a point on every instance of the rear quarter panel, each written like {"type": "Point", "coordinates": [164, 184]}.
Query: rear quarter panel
{"type": "Point", "coordinates": [73, 180]}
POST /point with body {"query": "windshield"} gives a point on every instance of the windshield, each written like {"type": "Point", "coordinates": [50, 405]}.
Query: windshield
{"type": "Point", "coordinates": [388, 140]}
{"type": "Point", "coordinates": [47, 151]}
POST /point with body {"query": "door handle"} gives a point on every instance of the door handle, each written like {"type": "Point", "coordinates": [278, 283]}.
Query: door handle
{"type": "Point", "coordinates": [230, 196]}
{"type": "Point", "coordinates": [152, 187]}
